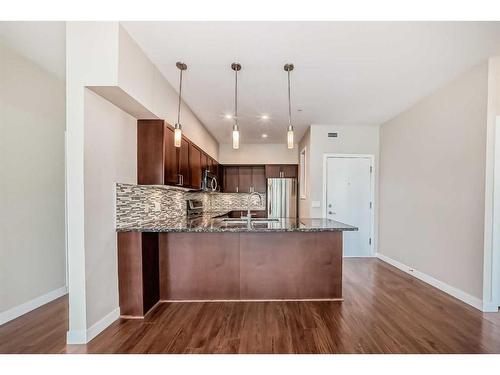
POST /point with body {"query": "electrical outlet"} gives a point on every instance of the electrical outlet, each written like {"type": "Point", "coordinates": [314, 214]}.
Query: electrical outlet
{"type": "Point", "coordinates": [157, 207]}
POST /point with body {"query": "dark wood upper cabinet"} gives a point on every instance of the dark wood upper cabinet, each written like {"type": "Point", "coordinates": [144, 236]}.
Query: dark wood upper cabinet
{"type": "Point", "coordinates": [204, 161]}
{"type": "Point", "coordinates": [195, 163]}
{"type": "Point", "coordinates": [150, 152]}
{"type": "Point", "coordinates": [171, 162]}
{"type": "Point", "coordinates": [273, 171]}
{"type": "Point", "coordinates": [230, 179]}
{"type": "Point", "coordinates": [183, 154]}
{"type": "Point", "coordinates": [245, 179]}
{"type": "Point", "coordinates": [212, 165]}
{"type": "Point", "coordinates": [159, 162]}
{"type": "Point", "coordinates": [289, 171]}
{"type": "Point", "coordinates": [281, 171]}
{"type": "Point", "coordinates": [259, 179]}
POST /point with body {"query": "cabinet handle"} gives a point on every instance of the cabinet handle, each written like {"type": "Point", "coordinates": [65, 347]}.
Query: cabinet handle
{"type": "Point", "coordinates": [237, 189]}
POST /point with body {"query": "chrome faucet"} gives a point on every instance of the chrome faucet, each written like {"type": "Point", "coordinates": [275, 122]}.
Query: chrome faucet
{"type": "Point", "coordinates": [249, 216]}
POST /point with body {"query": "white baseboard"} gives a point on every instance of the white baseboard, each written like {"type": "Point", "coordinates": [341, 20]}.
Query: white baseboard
{"type": "Point", "coordinates": [17, 311]}
{"type": "Point", "coordinates": [452, 291]}
{"type": "Point", "coordinates": [83, 337]}
{"type": "Point", "coordinates": [490, 307]}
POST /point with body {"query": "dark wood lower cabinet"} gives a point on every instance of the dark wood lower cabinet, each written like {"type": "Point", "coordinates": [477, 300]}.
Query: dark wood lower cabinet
{"type": "Point", "coordinates": [138, 272]}
{"type": "Point", "coordinates": [199, 266]}
{"type": "Point", "coordinates": [250, 266]}
{"type": "Point", "coordinates": [227, 266]}
{"type": "Point", "coordinates": [290, 265]}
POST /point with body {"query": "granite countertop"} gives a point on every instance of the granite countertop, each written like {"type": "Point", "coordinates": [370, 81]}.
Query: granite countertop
{"type": "Point", "coordinates": [211, 222]}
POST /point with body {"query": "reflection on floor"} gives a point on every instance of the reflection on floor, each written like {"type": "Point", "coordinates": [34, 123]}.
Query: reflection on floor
{"type": "Point", "coordinates": [385, 311]}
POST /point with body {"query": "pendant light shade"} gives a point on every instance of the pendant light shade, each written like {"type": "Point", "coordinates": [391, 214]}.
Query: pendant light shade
{"type": "Point", "coordinates": [289, 137]}
{"type": "Point", "coordinates": [178, 127]}
{"type": "Point", "coordinates": [289, 134]}
{"type": "Point", "coordinates": [236, 131]}
{"type": "Point", "coordinates": [236, 137]}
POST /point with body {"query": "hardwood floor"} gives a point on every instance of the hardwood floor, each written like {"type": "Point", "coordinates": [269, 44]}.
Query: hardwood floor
{"type": "Point", "coordinates": [385, 311]}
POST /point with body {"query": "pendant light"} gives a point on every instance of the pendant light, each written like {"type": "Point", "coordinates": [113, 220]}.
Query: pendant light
{"type": "Point", "coordinates": [178, 127]}
{"type": "Point", "coordinates": [289, 134]}
{"type": "Point", "coordinates": [236, 131]}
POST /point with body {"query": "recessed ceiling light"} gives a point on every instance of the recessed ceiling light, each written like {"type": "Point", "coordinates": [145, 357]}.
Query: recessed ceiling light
{"type": "Point", "coordinates": [264, 135]}
{"type": "Point", "coordinates": [264, 117]}
{"type": "Point", "coordinates": [228, 116]}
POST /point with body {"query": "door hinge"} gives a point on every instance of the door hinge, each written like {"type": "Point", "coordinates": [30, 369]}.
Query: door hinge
{"type": "Point", "coordinates": [370, 241]}
{"type": "Point", "coordinates": [370, 205]}
{"type": "Point", "coordinates": [371, 169]}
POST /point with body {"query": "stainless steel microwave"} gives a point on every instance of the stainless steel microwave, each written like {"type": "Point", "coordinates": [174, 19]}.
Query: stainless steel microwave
{"type": "Point", "coordinates": [209, 181]}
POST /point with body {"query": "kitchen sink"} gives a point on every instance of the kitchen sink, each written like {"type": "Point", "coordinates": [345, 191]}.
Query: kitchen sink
{"type": "Point", "coordinates": [264, 220]}
{"type": "Point", "coordinates": [254, 222]}
{"type": "Point", "coordinates": [234, 221]}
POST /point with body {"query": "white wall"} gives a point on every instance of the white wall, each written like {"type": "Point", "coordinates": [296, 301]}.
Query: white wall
{"type": "Point", "coordinates": [32, 239]}
{"type": "Point", "coordinates": [432, 184]}
{"type": "Point", "coordinates": [305, 203]}
{"type": "Point", "coordinates": [110, 157]}
{"type": "Point", "coordinates": [142, 80]}
{"type": "Point", "coordinates": [258, 154]}
{"type": "Point", "coordinates": [91, 59]}
{"type": "Point", "coordinates": [352, 139]}
{"type": "Point", "coordinates": [102, 57]}
{"type": "Point", "coordinates": [491, 273]}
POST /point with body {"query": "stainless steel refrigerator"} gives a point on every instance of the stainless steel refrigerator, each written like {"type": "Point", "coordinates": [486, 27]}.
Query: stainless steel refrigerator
{"type": "Point", "coordinates": [281, 197]}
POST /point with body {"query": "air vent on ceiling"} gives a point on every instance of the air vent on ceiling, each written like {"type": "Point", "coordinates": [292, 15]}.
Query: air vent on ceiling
{"type": "Point", "coordinates": [333, 135]}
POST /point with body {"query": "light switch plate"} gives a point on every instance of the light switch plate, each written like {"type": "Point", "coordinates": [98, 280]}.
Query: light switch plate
{"type": "Point", "coordinates": [315, 204]}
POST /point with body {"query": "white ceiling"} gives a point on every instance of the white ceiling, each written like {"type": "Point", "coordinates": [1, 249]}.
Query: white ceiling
{"type": "Point", "coordinates": [41, 42]}
{"type": "Point", "coordinates": [345, 72]}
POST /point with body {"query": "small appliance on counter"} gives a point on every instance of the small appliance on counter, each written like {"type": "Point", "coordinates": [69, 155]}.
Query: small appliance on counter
{"type": "Point", "coordinates": [209, 181]}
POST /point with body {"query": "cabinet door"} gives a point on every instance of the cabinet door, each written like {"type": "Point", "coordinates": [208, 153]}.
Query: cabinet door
{"type": "Point", "coordinates": [150, 152]}
{"type": "Point", "coordinates": [245, 179]}
{"type": "Point", "coordinates": [289, 171]}
{"type": "Point", "coordinates": [195, 163]}
{"type": "Point", "coordinates": [183, 155]}
{"type": "Point", "coordinates": [230, 179]}
{"type": "Point", "coordinates": [259, 179]}
{"type": "Point", "coordinates": [212, 165]}
{"type": "Point", "coordinates": [273, 171]}
{"type": "Point", "coordinates": [204, 161]}
{"type": "Point", "coordinates": [171, 162]}
{"type": "Point", "coordinates": [218, 170]}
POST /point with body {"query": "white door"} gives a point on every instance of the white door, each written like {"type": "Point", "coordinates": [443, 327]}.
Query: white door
{"type": "Point", "coordinates": [348, 200]}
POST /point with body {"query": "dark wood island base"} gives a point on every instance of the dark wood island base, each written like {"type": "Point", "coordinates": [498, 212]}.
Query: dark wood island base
{"type": "Point", "coordinates": [227, 266]}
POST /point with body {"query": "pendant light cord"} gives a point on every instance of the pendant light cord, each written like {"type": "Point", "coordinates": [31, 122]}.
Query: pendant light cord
{"type": "Point", "coordinates": [179, 106]}
{"type": "Point", "coordinates": [289, 102]}
{"type": "Point", "coordinates": [236, 97]}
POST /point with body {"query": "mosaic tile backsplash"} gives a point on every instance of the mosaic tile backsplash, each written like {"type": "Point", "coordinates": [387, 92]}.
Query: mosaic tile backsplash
{"type": "Point", "coordinates": [136, 204]}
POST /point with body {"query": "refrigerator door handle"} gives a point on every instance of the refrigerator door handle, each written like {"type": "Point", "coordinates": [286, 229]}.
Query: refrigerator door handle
{"type": "Point", "coordinates": [270, 194]}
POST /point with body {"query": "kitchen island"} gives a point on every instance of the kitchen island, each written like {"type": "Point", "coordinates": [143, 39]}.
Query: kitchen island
{"type": "Point", "coordinates": [213, 258]}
